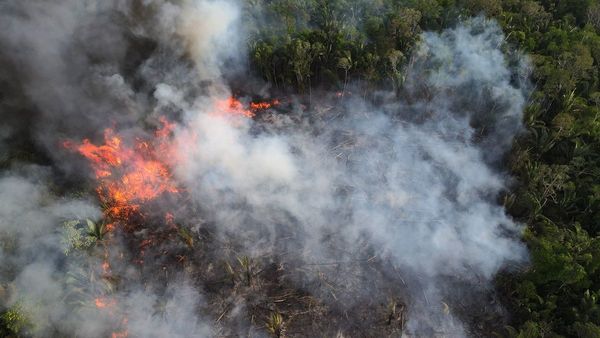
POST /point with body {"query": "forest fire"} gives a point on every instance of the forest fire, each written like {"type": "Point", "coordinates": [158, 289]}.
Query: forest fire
{"type": "Point", "coordinates": [233, 106]}
{"type": "Point", "coordinates": [106, 304]}
{"type": "Point", "coordinates": [202, 168]}
{"type": "Point", "coordinates": [103, 303]}
{"type": "Point", "coordinates": [129, 175]}
{"type": "Point", "coordinates": [119, 334]}
{"type": "Point", "coordinates": [264, 105]}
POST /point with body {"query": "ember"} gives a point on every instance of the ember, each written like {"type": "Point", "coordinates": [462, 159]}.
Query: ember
{"type": "Point", "coordinates": [102, 303]}
{"type": "Point", "coordinates": [233, 106]}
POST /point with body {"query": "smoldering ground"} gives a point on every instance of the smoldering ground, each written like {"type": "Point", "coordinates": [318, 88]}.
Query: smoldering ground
{"type": "Point", "coordinates": [344, 217]}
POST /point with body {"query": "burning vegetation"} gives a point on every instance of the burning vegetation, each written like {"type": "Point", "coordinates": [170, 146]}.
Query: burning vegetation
{"type": "Point", "coordinates": [131, 180]}
{"type": "Point", "coordinates": [348, 188]}
{"type": "Point", "coordinates": [129, 176]}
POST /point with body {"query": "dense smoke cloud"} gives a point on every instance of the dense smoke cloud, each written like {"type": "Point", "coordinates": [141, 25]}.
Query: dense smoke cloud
{"type": "Point", "coordinates": [415, 179]}
{"type": "Point", "coordinates": [412, 181]}
{"type": "Point", "coordinates": [32, 248]}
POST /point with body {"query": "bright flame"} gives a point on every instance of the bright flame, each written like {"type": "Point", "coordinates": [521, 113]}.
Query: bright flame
{"type": "Point", "coordinates": [105, 267]}
{"type": "Point", "coordinates": [263, 105]}
{"type": "Point", "coordinates": [233, 106]}
{"type": "Point", "coordinates": [129, 176]}
{"type": "Point", "coordinates": [103, 303]}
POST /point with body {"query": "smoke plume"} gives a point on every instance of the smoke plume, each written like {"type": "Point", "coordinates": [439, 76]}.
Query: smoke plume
{"type": "Point", "coordinates": [354, 202]}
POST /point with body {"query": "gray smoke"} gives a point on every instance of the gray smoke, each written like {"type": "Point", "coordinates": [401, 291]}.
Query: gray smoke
{"type": "Point", "coordinates": [411, 183]}
{"type": "Point", "coordinates": [416, 180]}
{"type": "Point", "coordinates": [32, 244]}
{"type": "Point", "coordinates": [69, 67]}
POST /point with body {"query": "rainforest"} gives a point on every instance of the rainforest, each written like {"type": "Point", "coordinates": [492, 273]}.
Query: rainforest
{"type": "Point", "coordinates": [300, 168]}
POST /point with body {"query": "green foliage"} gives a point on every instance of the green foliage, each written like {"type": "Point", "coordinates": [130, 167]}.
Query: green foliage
{"type": "Point", "coordinates": [244, 271]}
{"type": "Point", "coordinates": [586, 330]}
{"type": "Point", "coordinates": [328, 43]}
{"type": "Point", "coordinates": [186, 236]}
{"type": "Point", "coordinates": [300, 44]}
{"type": "Point", "coordinates": [15, 321]}
{"type": "Point", "coordinates": [275, 325]}
{"type": "Point", "coordinates": [557, 166]}
{"type": "Point", "coordinates": [82, 237]}
{"type": "Point", "coordinates": [557, 162]}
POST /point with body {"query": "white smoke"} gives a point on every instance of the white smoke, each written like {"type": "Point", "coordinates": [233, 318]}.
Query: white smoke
{"type": "Point", "coordinates": [178, 314]}
{"type": "Point", "coordinates": [413, 182]}
{"type": "Point", "coordinates": [66, 62]}
{"type": "Point", "coordinates": [423, 193]}
{"type": "Point", "coordinates": [44, 286]}
{"type": "Point", "coordinates": [208, 28]}
{"type": "Point", "coordinates": [32, 249]}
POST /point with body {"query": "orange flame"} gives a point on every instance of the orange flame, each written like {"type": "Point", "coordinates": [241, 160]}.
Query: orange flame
{"type": "Point", "coordinates": [170, 220]}
{"type": "Point", "coordinates": [105, 267]}
{"type": "Point", "coordinates": [124, 333]}
{"type": "Point", "coordinates": [129, 176]}
{"type": "Point", "coordinates": [263, 105]}
{"type": "Point", "coordinates": [103, 303]}
{"type": "Point", "coordinates": [233, 106]}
